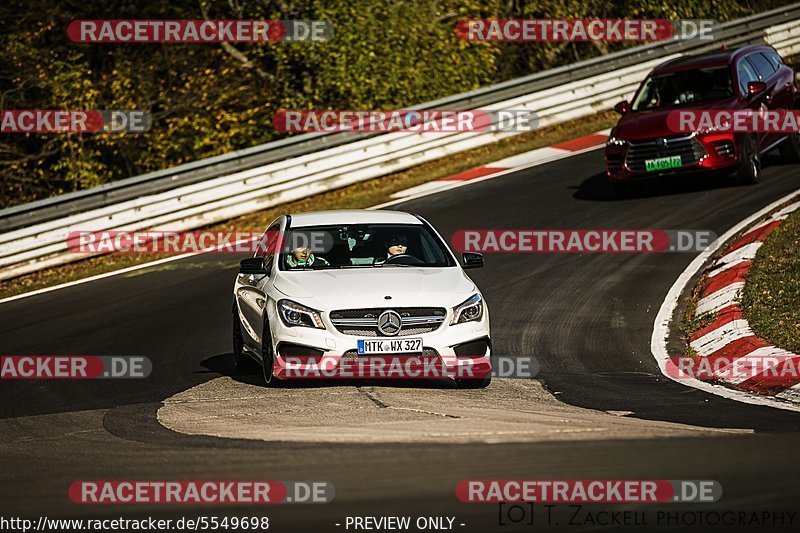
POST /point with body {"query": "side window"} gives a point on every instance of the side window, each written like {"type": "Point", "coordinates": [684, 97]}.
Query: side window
{"type": "Point", "coordinates": [432, 252]}
{"type": "Point", "coordinates": [267, 246]}
{"type": "Point", "coordinates": [773, 58]}
{"type": "Point", "coordinates": [763, 67]}
{"type": "Point", "coordinates": [746, 74]}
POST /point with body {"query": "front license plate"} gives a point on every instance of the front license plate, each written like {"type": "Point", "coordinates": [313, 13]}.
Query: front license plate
{"type": "Point", "coordinates": [663, 163]}
{"type": "Point", "coordinates": [379, 346]}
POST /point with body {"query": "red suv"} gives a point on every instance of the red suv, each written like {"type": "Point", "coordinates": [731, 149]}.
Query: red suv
{"type": "Point", "coordinates": [749, 78]}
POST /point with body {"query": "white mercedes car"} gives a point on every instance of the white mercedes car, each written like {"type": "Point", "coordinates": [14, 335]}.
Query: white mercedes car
{"type": "Point", "coordinates": [360, 289]}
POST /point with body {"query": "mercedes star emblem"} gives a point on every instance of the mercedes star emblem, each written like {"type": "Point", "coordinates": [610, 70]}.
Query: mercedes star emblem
{"type": "Point", "coordinates": [389, 323]}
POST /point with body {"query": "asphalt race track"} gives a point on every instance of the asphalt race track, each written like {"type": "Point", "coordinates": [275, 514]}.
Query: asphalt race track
{"type": "Point", "coordinates": [402, 448]}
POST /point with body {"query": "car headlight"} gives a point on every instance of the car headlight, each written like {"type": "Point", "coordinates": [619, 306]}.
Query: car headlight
{"type": "Point", "coordinates": [615, 141]}
{"type": "Point", "coordinates": [295, 314]}
{"type": "Point", "coordinates": [470, 310]}
{"type": "Point", "coordinates": [723, 127]}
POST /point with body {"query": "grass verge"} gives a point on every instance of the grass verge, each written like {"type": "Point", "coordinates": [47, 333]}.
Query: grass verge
{"type": "Point", "coordinates": [692, 322]}
{"type": "Point", "coordinates": [771, 298]}
{"type": "Point", "coordinates": [359, 195]}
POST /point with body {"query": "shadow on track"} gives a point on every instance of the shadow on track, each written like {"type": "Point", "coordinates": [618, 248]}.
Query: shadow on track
{"type": "Point", "coordinates": [598, 189]}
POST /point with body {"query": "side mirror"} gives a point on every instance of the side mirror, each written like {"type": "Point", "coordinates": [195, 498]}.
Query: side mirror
{"type": "Point", "coordinates": [472, 260]}
{"type": "Point", "coordinates": [252, 265]}
{"type": "Point", "coordinates": [756, 87]}
{"type": "Point", "coordinates": [622, 107]}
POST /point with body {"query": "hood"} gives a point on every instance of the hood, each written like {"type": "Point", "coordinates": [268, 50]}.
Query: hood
{"type": "Point", "coordinates": [368, 287]}
{"type": "Point", "coordinates": [639, 125]}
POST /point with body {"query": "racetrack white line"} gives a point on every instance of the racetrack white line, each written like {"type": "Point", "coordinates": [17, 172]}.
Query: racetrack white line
{"type": "Point", "coordinates": [658, 342]}
{"type": "Point", "coordinates": [96, 277]}
{"type": "Point", "coordinates": [121, 271]}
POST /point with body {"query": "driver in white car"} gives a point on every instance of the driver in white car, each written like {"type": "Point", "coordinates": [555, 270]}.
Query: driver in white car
{"type": "Point", "coordinates": [396, 245]}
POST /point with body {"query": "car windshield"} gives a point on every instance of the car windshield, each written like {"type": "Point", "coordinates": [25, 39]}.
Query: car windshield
{"type": "Point", "coordinates": [684, 87]}
{"type": "Point", "coordinates": [363, 245]}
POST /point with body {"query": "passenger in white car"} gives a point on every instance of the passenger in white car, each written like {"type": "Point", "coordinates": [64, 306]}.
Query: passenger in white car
{"type": "Point", "coordinates": [302, 257]}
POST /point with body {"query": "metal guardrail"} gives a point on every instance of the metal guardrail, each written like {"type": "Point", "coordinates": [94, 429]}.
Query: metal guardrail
{"type": "Point", "coordinates": [226, 186]}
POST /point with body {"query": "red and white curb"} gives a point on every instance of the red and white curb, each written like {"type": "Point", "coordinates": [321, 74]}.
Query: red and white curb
{"type": "Point", "coordinates": [728, 340]}
{"type": "Point", "coordinates": [533, 158]}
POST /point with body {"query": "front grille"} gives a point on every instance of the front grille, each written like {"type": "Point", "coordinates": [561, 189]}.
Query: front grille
{"type": "Point", "coordinates": [689, 150]}
{"type": "Point", "coordinates": [427, 354]}
{"type": "Point", "coordinates": [393, 365]}
{"type": "Point", "coordinates": [614, 162]}
{"type": "Point", "coordinates": [364, 322]}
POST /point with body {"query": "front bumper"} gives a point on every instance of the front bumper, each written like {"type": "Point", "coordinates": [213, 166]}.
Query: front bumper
{"type": "Point", "coordinates": [451, 351]}
{"type": "Point", "coordinates": [699, 153]}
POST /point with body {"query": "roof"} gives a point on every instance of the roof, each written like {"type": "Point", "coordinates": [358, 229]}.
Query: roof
{"type": "Point", "coordinates": [352, 216]}
{"type": "Point", "coordinates": [710, 59]}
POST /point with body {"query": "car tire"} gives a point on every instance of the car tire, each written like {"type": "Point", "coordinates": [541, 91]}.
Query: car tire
{"type": "Point", "coordinates": [267, 358]}
{"type": "Point", "coordinates": [749, 169]}
{"type": "Point", "coordinates": [626, 189]}
{"type": "Point", "coordinates": [240, 359]}
{"type": "Point", "coordinates": [478, 383]}
{"type": "Point", "coordinates": [790, 148]}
